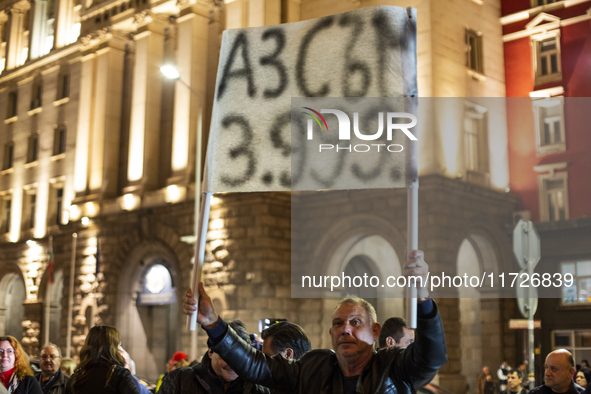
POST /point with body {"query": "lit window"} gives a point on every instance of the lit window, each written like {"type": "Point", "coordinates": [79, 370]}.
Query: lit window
{"type": "Point", "coordinates": [547, 58]}
{"type": "Point", "coordinates": [553, 197]}
{"type": "Point", "coordinates": [476, 142]}
{"type": "Point", "coordinates": [580, 292]}
{"type": "Point", "coordinates": [549, 123]}
{"type": "Point", "coordinates": [474, 51]}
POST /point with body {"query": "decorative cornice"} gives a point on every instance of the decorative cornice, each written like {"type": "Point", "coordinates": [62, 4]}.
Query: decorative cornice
{"type": "Point", "coordinates": [201, 7]}
{"type": "Point", "coordinates": [147, 20]}
{"type": "Point", "coordinates": [108, 35]}
{"type": "Point", "coordinates": [3, 17]}
{"type": "Point", "coordinates": [21, 7]}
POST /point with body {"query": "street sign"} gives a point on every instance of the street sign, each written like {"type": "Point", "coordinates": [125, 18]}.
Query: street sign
{"type": "Point", "coordinates": [526, 303]}
{"type": "Point", "coordinates": [526, 244]}
{"type": "Point", "coordinates": [523, 324]}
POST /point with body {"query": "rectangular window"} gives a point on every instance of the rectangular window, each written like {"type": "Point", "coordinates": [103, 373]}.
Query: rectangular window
{"type": "Point", "coordinates": [474, 51]}
{"type": "Point", "coordinates": [476, 142]}
{"type": "Point", "coordinates": [547, 58]}
{"type": "Point", "coordinates": [36, 95]}
{"type": "Point", "coordinates": [56, 203]}
{"type": "Point", "coordinates": [33, 153]}
{"type": "Point", "coordinates": [578, 342]}
{"type": "Point", "coordinates": [32, 204]}
{"type": "Point", "coordinates": [550, 129]}
{"type": "Point", "coordinates": [59, 204]}
{"type": "Point", "coordinates": [8, 155]}
{"type": "Point", "coordinates": [543, 2]}
{"type": "Point", "coordinates": [6, 213]}
{"type": "Point", "coordinates": [580, 291]}
{"type": "Point", "coordinates": [553, 197]}
{"type": "Point", "coordinates": [12, 104]}
{"type": "Point", "coordinates": [64, 86]}
{"type": "Point", "coordinates": [59, 140]}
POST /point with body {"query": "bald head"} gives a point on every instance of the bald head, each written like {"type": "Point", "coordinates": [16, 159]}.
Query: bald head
{"type": "Point", "coordinates": [559, 370]}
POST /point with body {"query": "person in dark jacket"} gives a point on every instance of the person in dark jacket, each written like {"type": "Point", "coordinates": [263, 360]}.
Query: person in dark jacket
{"type": "Point", "coordinates": [17, 375]}
{"type": "Point", "coordinates": [211, 376]}
{"type": "Point", "coordinates": [353, 366]}
{"type": "Point", "coordinates": [102, 368]}
{"type": "Point", "coordinates": [51, 379]}
{"type": "Point", "coordinates": [285, 338]}
{"type": "Point", "coordinates": [514, 382]}
{"type": "Point", "coordinates": [558, 376]}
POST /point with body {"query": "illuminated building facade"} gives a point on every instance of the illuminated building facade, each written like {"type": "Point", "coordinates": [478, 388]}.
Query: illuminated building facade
{"type": "Point", "coordinates": [548, 60]}
{"type": "Point", "coordinates": [96, 142]}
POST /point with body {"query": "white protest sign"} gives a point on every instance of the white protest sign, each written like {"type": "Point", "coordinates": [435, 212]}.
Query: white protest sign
{"type": "Point", "coordinates": [370, 52]}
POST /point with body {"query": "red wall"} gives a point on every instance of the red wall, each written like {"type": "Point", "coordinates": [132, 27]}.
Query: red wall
{"type": "Point", "coordinates": [576, 73]}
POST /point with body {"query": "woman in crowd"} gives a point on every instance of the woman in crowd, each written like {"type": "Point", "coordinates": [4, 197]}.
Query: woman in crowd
{"type": "Point", "coordinates": [583, 378]}
{"type": "Point", "coordinates": [17, 375]}
{"type": "Point", "coordinates": [102, 367]}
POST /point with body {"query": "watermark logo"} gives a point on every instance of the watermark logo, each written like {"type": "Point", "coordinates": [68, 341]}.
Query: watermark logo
{"type": "Point", "coordinates": [393, 121]}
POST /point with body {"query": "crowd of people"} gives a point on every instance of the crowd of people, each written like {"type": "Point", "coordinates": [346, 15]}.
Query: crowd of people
{"type": "Point", "coordinates": [406, 360]}
{"type": "Point", "coordinates": [561, 375]}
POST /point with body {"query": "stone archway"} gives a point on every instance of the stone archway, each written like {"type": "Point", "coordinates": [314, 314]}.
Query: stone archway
{"type": "Point", "coordinates": [55, 306]}
{"type": "Point", "coordinates": [149, 333]}
{"type": "Point", "coordinates": [479, 322]}
{"type": "Point", "coordinates": [367, 254]}
{"type": "Point", "coordinates": [12, 310]}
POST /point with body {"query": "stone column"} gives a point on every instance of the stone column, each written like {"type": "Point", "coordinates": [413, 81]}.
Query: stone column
{"type": "Point", "coordinates": [39, 29]}
{"type": "Point", "coordinates": [3, 20]}
{"type": "Point", "coordinates": [99, 120]}
{"type": "Point", "coordinates": [64, 22]}
{"type": "Point", "coordinates": [191, 62]}
{"type": "Point", "coordinates": [106, 127]}
{"type": "Point", "coordinates": [85, 116]}
{"type": "Point", "coordinates": [264, 12]}
{"type": "Point", "coordinates": [16, 39]}
{"type": "Point", "coordinates": [144, 133]}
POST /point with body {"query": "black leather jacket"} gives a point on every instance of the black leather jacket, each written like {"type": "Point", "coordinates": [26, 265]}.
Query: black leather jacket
{"type": "Point", "coordinates": [200, 379]}
{"type": "Point", "coordinates": [390, 371]}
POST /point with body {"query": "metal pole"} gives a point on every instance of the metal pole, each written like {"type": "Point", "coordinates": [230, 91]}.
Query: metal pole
{"type": "Point", "coordinates": [412, 226]}
{"type": "Point", "coordinates": [193, 349]}
{"type": "Point", "coordinates": [47, 311]}
{"type": "Point", "coordinates": [71, 298]}
{"type": "Point", "coordinates": [530, 316]}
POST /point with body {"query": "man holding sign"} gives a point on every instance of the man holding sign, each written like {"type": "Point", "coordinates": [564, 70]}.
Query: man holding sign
{"type": "Point", "coordinates": [353, 366]}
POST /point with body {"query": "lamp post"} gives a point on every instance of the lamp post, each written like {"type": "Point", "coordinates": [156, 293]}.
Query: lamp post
{"type": "Point", "coordinates": [171, 72]}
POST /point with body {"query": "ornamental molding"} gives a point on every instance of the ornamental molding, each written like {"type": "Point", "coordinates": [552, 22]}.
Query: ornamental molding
{"type": "Point", "coordinates": [154, 22]}
{"type": "Point", "coordinates": [202, 7]}
{"type": "Point", "coordinates": [21, 7]}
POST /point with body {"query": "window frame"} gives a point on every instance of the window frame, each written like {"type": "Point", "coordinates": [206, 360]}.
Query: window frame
{"type": "Point", "coordinates": [8, 160]}
{"type": "Point", "coordinates": [6, 219]}
{"type": "Point", "coordinates": [576, 278]}
{"type": "Point", "coordinates": [33, 148]}
{"type": "Point", "coordinates": [543, 194]}
{"type": "Point", "coordinates": [542, 147]}
{"type": "Point", "coordinates": [479, 174]}
{"type": "Point", "coordinates": [479, 52]}
{"type": "Point", "coordinates": [536, 41]}
{"type": "Point", "coordinates": [60, 144]}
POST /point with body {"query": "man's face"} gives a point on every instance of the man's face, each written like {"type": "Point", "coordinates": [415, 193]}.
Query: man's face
{"type": "Point", "coordinates": [485, 370]}
{"type": "Point", "coordinates": [514, 381]}
{"type": "Point", "coordinates": [50, 360]}
{"type": "Point", "coordinates": [352, 333]}
{"type": "Point", "coordinates": [407, 339]}
{"type": "Point", "coordinates": [558, 372]}
{"type": "Point", "coordinates": [222, 369]}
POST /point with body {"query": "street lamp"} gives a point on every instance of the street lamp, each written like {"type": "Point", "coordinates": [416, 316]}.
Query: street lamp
{"type": "Point", "coordinates": [170, 71]}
